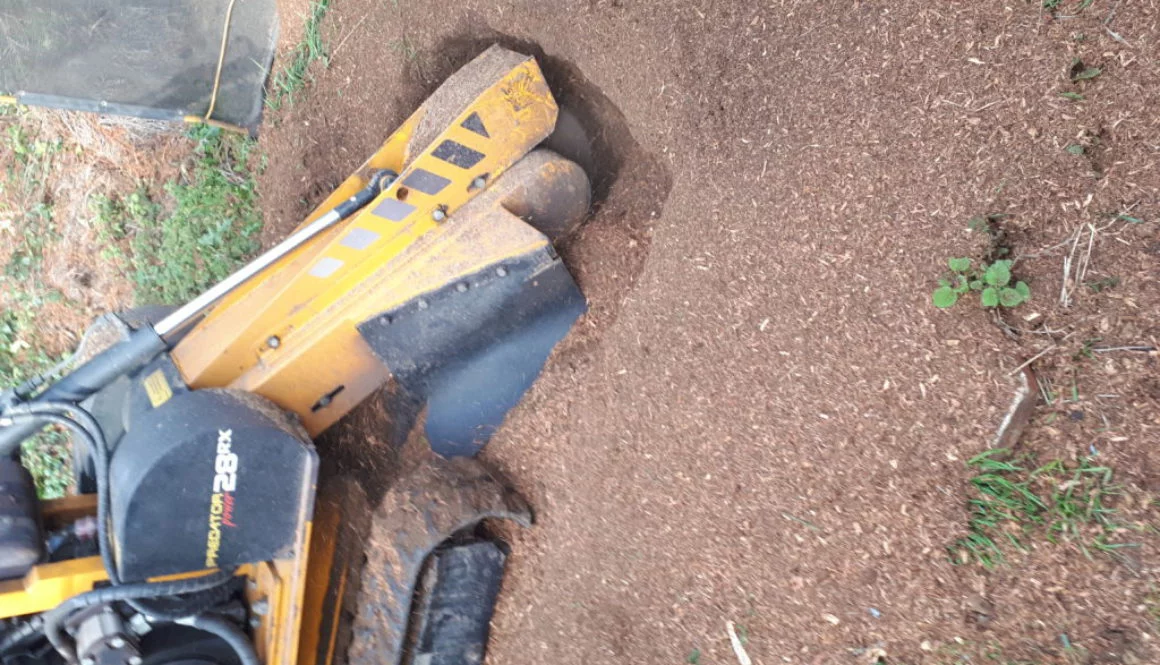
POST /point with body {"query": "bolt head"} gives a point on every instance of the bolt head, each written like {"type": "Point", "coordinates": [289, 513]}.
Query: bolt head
{"type": "Point", "coordinates": [501, 271]}
{"type": "Point", "coordinates": [135, 660]}
{"type": "Point", "coordinates": [439, 214]}
{"type": "Point", "coordinates": [116, 642]}
{"type": "Point", "coordinates": [461, 287]}
{"type": "Point", "coordinates": [478, 183]}
{"type": "Point", "coordinates": [274, 342]}
{"type": "Point", "coordinates": [422, 304]}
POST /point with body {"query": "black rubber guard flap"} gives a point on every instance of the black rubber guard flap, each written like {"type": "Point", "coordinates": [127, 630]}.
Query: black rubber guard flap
{"type": "Point", "coordinates": [473, 347]}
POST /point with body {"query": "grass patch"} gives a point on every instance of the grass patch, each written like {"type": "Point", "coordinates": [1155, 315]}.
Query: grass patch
{"type": "Point", "coordinates": [21, 356]}
{"type": "Point", "coordinates": [48, 457]}
{"type": "Point", "coordinates": [295, 75]}
{"type": "Point", "coordinates": [1014, 504]}
{"type": "Point", "coordinates": [28, 227]}
{"type": "Point", "coordinates": [174, 239]}
{"type": "Point", "coordinates": [207, 227]}
{"type": "Point", "coordinates": [33, 158]}
{"type": "Point", "coordinates": [962, 651]}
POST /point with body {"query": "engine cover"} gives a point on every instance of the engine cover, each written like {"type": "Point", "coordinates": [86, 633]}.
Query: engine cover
{"type": "Point", "coordinates": [211, 479]}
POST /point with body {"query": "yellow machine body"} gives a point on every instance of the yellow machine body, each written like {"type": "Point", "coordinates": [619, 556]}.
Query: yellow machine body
{"type": "Point", "coordinates": [399, 247]}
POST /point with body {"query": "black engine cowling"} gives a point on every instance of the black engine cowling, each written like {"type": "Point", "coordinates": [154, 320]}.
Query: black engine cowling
{"type": "Point", "coordinates": [210, 479]}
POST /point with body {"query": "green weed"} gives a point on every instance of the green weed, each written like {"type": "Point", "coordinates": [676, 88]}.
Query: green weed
{"type": "Point", "coordinates": [22, 357]}
{"type": "Point", "coordinates": [1079, 72]}
{"type": "Point", "coordinates": [1152, 606]}
{"type": "Point", "coordinates": [1012, 504]}
{"type": "Point", "coordinates": [1128, 218]}
{"type": "Point", "coordinates": [406, 48]}
{"type": "Point", "coordinates": [1052, 5]}
{"type": "Point", "coordinates": [963, 651]}
{"type": "Point", "coordinates": [1103, 284]}
{"type": "Point", "coordinates": [206, 229]}
{"type": "Point", "coordinates": [34, 232]}
{"type": "Point", "coordinates": [295, 75]}
{"type": "Point", "coordinates": [47, 456]}
{"type": "Point", "coordinates": [984, 224]}
{"type": "Point", "coordinates": [29, 231]}
{"type": "Point", "coordinates": [992, 282]}
{"type": "Point", "coordinates": [33, 158]}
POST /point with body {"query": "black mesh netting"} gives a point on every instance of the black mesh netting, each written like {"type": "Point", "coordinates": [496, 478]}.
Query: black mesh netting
{"type": "Point", "coordinates": [149, 58]}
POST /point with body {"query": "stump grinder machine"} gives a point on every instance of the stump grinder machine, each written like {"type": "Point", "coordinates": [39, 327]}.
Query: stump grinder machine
{"type": "Point", "coordinates": [202, 532]}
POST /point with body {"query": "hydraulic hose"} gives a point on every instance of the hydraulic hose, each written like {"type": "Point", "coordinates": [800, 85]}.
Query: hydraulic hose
{"type": "Point", "coordinates": [18, 635]}
{"type": "Point", "coordinates": [84, 381]}
{"type": "Point", "coordinates": [88, 431]}
{"type": "Point", "coordinates": [55, 618]}
{"type": "Point", "coordinates": [177, 609]}
{"type": "Point", "coordinates": [229, 633]}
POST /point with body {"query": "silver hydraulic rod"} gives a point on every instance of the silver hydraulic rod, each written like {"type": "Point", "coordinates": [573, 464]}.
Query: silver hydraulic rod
{"type": "Point", "coordinates": [180, 319]}
{"type": "Point", "coordinates": [192, 309]}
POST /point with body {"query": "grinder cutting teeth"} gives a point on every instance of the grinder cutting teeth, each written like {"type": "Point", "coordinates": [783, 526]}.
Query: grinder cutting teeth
{"type": "Point", "coordinates": [203, 531]}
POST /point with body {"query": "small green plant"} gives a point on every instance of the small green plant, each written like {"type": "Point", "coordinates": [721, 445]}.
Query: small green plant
{"type": "Point", "coordinates": [1127, 218]}
{"type": "Point", "coordinates": [33, 158]}
{"type": "Point", "coordinates": [964, 652]}
{"type": "Point", "coordinates": [21, 357]}
{"type": "Point", "coordinates": [47, 456]}
{"type": "Point", "coordinates": [36, 231]}
{"type": "Point", "coordinates": [1079, 72]}
{"type": "Point", "coordinates": [694, 657]}
{"type": "Point", "coordinates": [992, 282]}
{"type": "Point", "coordinates": [295, 75]}
{"type": "Point", "coordinates": [1061, 502]}
{"type": "Point", "coordinates": [1103, 284]}
{"type": "Point", "coordinates": [206, 229]}
{"type": "Point", "coordinates": [405, 47]}
{"type": "Point", "coordinates": [1152, 605]}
